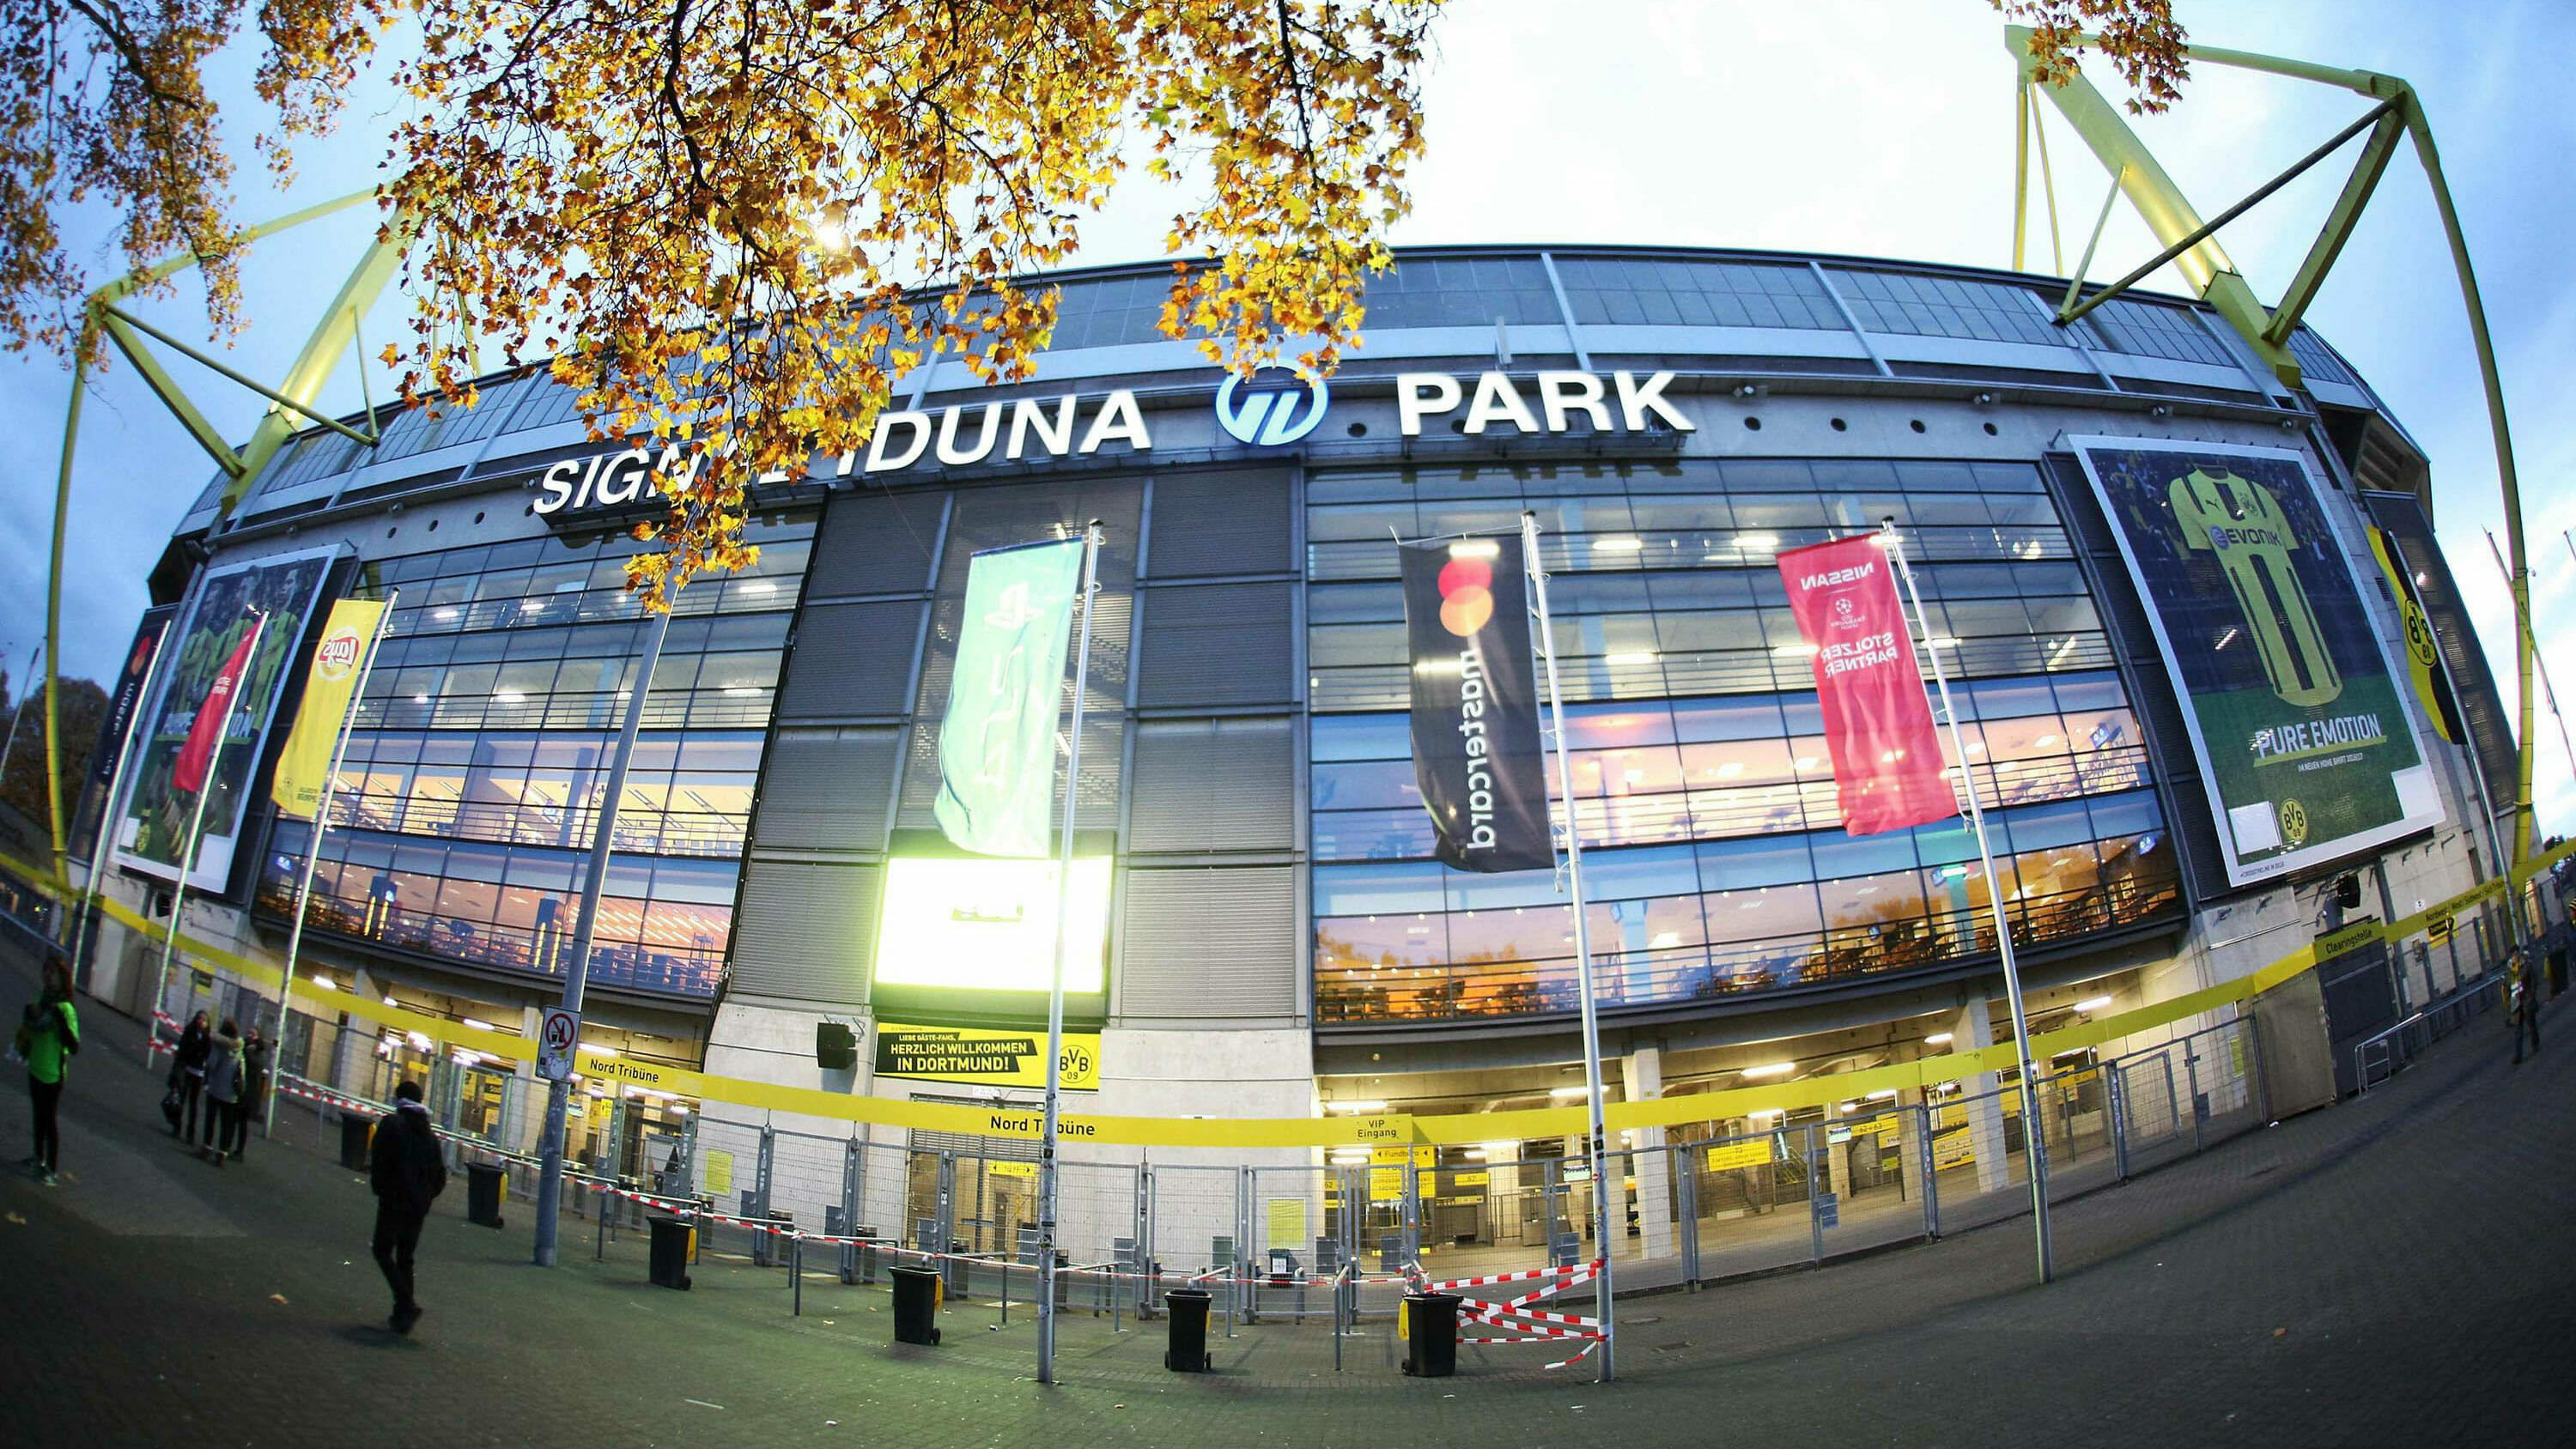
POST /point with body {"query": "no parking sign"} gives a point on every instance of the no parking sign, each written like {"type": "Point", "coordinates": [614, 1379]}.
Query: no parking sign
{"type": "Point", "coordinates": [555, 1043]}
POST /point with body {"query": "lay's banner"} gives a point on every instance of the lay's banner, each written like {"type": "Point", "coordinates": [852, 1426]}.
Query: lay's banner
{"type": "Point", "coordinates": [997, 741]}
{"type": "Point", "coordinates": [1878, 722]}
{"type": "Point", "coordinates": [304, 763]}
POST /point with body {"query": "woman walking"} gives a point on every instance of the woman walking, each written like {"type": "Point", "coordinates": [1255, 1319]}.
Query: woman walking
{"type": "Point", "coordinates": [188, 1074]}
{"type": "Point", "coordinates": [47, 1039]}
{"type": "Point", "coordinates": [223, 1092]}
{"type": "Point", "coordinates": [256, 1052]}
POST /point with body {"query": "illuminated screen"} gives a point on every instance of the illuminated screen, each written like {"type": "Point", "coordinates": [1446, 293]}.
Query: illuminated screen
{"type": "Point", "coordinates": [989, 925]}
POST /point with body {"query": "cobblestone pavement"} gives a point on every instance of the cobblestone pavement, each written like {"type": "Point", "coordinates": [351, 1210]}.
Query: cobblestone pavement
{"type": "Point", "coordinates": [2389, 1271]}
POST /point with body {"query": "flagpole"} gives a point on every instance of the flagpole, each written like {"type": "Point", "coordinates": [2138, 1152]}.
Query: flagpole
{"type": "Point", "coordinates": [313, 851]}
{"type": "Point", "coordinates": [105, 839]}
{"type": "Point", "coordinates": [196, 826]}
{"type": "Point", "coordinates": [550, 1146]}
{"type": "Point", "coordinates": [2547, 689]}
{"type": "Point", "coordinates": [1601, 1223]}
{"type": "Point", "coordinates": [1055, 982]}
{"type": "Point", "coordinates": [10, 745]}
{"type": "Point", "coordinates": [2034, 1141]}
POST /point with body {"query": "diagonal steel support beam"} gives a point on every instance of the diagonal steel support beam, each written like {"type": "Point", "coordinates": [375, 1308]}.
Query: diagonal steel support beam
{"type": "Point", "coordinates": [2338, 227]}
{"type": "Point", "coordinates": [2376, 115]}
{"type": "Point", "coordinates": [2162, 205]}
{"type": "Point", "coordinates": [292, 399]}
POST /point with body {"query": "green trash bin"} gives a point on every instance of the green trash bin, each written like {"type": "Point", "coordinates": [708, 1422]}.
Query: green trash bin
{"type": "Point", "coordinates": [483, 1191]}
{"type": "Point", "coordinates": [669, 1261]}
{"type": "Point", "coordinates": [356, 1132]}
{"type": "Point", "coordinates": [916, 1305]}
{"type": "Point", "coordinates": [1186, 1350]}
{"type": "Point", "coordinates": [1431, 1338]}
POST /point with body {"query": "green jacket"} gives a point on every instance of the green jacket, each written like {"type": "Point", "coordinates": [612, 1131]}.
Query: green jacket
{"type": "Point", "coordinates": [52, 1041]}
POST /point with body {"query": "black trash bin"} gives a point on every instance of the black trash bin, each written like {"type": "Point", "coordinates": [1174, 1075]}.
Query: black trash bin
{"type": "Point", "coordinates": [2557, 970]}
{"type": "Point", "coordinates": [670, 1260]}
{"type": "Point", "coordinates": [1431, 1334]}
{"type": "Point", "coordinates": [484, 1186]}
{"type": "Point", "coordinates": [1187, 1350]}
{"type": "Point", "coordinates": [356, 1131]}
{"type": "Point", "coordinates": [916, 1305]}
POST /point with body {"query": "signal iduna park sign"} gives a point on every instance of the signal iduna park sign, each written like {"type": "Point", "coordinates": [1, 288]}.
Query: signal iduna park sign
{"type": "Point", "coordinates": [2299, 723]}
{"type": "Point", "coordinates": [1262, 413]}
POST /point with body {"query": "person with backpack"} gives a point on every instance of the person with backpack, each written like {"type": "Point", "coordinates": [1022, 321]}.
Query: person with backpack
{"type": "Point", "coordinates": [407, 1172]}
{"type": "Point", "coordinates": [48, 1037]}
{"type": "Point", "coordinates": [223, 1093]}
{"type": "Point", "coordinates": [2525, 1019]}
{"type": "Point", "coordinates": [257, 1052]}
{"type": "Point", "coordinates": [188, 1075]}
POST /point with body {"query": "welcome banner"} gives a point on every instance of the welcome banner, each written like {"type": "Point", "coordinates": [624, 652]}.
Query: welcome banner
{"type": "Point", "coordinates": [304, 763]}
{"type": "Point", "coordinates": [1476, 754]}
{"type": "Point", "coordinates": [1878, 721]}
{"type": "Point", "coordinates": [997, 741]}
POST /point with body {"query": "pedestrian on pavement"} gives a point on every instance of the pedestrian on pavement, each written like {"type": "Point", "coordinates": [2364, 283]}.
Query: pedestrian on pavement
{"type": "Point", "coordinates": [407, 1171]}
{"type": "Point", "coordinates": [2525, 1021]}
{"type": "Point", "coordinates": [188, 1074]}
{"type": "Point", "coordinates": [223, 1092]}
{"type": "Point", "coordinates": [47, 1037]}
{"type": "Point", "coordinates": [256, 1055]}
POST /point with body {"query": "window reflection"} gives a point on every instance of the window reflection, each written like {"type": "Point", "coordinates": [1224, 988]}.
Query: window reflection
{"type": "Point", "coordinates": [475, 778]}
{"type": "Point", "coordinates": [1702, 788]}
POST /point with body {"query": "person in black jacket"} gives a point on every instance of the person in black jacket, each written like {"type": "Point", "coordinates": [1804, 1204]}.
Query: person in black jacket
{"type": "Point", "coordinates": [188, 1073]}
{"type": "Point", "coordinates": [408, 1173]}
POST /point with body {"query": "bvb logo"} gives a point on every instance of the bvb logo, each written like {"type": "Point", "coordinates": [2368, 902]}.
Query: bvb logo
{"type": "Point", "coordinates": [2294, 823]}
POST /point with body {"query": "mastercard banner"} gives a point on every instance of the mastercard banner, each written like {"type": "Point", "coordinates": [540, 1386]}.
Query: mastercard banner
{"type": "Point", "coordinates": [1476, 753]}
{"type": "Point", "coordinates": [304, 764]}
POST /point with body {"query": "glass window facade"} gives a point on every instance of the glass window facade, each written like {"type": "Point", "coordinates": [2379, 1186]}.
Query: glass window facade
{"type": "Point", "coordinates": [1692, 292]}
{"type": "Point", "coordinates": [478, 765]}
{"type": "Point", "coordinates": [1704, 792]}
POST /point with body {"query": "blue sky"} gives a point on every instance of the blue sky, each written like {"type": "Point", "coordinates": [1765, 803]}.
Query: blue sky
{"type": "Point", "coordinates": [1831, 125]}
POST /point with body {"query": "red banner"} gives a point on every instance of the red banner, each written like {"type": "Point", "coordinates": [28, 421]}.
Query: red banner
{"type": "Point", "coordinates": [198, 754]}
{"type": "Point", "coordinates": [1878, 722]}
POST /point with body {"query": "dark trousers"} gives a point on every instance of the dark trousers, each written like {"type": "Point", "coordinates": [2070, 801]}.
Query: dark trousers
{"type": "Point", "coordinates": [2529, 1026]}
{"type": "Point", "coordinates": [192, 1088]}
{"type": "Point", "coordinates": [397, 1239]}
{"type": "Point", "coordinates": [223, 1123]}
{"type": "Point", "coordinates": [48, 1100]}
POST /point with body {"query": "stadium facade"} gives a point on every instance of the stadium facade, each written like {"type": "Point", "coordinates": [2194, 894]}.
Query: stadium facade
{"type": "Point", "coordinates": [1276, 939]}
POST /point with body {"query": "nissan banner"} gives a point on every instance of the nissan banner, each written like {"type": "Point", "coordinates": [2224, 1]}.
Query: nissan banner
{"type": "Point", "coordinates": [1475, 706]}
{"type": "Point", "coordinates": [1878, 722]}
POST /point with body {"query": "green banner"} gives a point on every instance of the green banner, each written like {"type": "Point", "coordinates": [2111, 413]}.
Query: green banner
{"type": "Point", "coordinates": [997, 741]}
{"type": "Point", "coordinates": [2306, 746]}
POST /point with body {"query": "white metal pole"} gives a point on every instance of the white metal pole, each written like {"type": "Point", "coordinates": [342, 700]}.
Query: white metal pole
{"type": "Point", "coordinates": [2034, 1140]}
{"type": "Point", "coordinates": [196, 826]}
{"type": "Point", "coordinates": [25, 692]}
{"type": "Point", "coordinates": [1602, 1224]}
{"type": "Point", "coordinates": [313, 851]}
{"type": "Point", "coordinates": [2548, 690]}
{"type": "Point", "coordinates": [603, 840]}
{"type": "Point", "coordinates": [105, 840]}
{"type": "Point", "coordinates": [1055, 980]}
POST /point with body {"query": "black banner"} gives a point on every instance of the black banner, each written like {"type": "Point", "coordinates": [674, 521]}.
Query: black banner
{"type": "Point", "coordinates": [123, 703]}
{"type": "Point", "coordinates": [1475, 707]}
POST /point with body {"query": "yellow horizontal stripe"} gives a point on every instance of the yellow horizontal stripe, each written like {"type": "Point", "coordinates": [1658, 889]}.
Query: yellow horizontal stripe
{"type": "Point", "coordinates": [1311, 1131]}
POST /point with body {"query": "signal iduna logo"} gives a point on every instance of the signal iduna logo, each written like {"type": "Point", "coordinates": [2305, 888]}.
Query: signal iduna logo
{"type": "Point", "coordinates": [1271, 417]}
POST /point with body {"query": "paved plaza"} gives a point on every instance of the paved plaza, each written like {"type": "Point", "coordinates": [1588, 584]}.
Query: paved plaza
{"type": "Point", "coordinates": [2389, 1271]}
